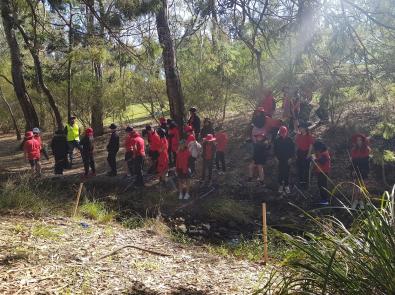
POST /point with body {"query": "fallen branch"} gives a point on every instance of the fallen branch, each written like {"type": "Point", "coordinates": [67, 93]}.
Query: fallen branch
{"type": "Point", "coordinates": [134, 247]}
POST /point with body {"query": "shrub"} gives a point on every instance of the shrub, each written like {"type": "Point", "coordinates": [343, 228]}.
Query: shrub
{"type": "Point", "coordinates": [340, 260]}
{"type": "Point", "coordinates": [97, 211]}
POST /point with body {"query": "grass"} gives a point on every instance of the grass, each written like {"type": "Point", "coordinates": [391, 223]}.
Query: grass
{"type": "Point", "coordinates": [97, 211]}
{"type": "Point", "coordinates": [249, 249]}
{"type": "Point", "coordinates": [335, 259]}
{"type": "Point", "coordinates": [24, 194]}
{"type": "Point", "coordinates": [181, 238]}
{"type": "Point", "coordinates": [135, 112]}
{"type": "Point", "coordinates": [133, 222]}
{"type": "Point", "coordinates": [46, 232]}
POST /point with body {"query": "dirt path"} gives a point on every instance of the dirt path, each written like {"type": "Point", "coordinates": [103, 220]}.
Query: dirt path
{"type": "Point", "coordinates": [60, 256]}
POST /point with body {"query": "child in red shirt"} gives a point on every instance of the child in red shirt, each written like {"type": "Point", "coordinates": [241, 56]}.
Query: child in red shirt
{"type": "Point", "coordinates": [322, 167]}
{"type": "Point", "coordinates": [182, 169]}
{"type": "Point", "coordinates": [222, 143]}
{"type": "Point", "coordinates": [128, 145]}
{"type": "Point", "coordinates": [163, 159]}
{"type": "Point", "coordinates": [304, 146]}
{"type": "Point", "coordinates": [138, 158]}
{"type": "Point", "coordinates": [174, 139]}
{"type": "Point", "coordinates": [360, 152]}
{"type": "Point", "coordinates": [209, 149]}
{"type": "Point", "coordinates": [32, 148]}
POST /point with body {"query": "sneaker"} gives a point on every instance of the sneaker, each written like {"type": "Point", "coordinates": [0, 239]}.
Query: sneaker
{"type": "Point", "coordinates": [187, 196]}
{"type": "Point", "coordinates": [287, 190]}
{"type": "Point", "coordinates": [354, 204]}
{"type": "Point", "coordinates": [180, 196]}
{"type": "Point", "coordinates": [361, 205]}
{"type": "Point", "coordinates": [280, 189]}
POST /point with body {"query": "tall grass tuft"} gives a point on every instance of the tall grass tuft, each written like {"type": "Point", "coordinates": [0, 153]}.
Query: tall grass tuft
{"type": "Point", "coordinates": [97, 211]}
{"type": "Point", "coordinates": [23, 193]}
{"type": "Point", "coordinates": [335, 259]}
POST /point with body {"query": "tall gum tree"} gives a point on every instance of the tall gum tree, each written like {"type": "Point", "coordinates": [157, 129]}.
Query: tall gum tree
{"type": "Point", "coordinates": [29, 112]}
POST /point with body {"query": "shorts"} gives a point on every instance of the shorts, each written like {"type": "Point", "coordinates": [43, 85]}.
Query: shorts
{"type": "Point", "coordinates": [182, 175]}
{"type": "Point", "coordinates": [34, 162]}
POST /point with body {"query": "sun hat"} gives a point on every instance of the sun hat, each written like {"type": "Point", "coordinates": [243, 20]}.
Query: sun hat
{"type": "Point", "coordinates": [29, 134]}
{"type": "Point", "coordinates": [209, 137]}
{"type": "Point", "coordinates": [36, 130]}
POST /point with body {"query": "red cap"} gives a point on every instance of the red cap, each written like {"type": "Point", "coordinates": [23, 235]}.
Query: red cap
{"type": "Point", "coordinates": [188, 128]}
{"type": "Point", "coordinates": [209, 137]}
{"type": "Point", "coordinates": [89, 131]}
{"type": "Point", "coordinates": [29, 134]}
{"type": "Point", "coordinates": [162, 120]}
{"type": "Point", "coordinates": [283, 131]}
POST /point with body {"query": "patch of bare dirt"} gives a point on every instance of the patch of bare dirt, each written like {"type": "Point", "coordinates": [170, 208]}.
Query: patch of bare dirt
{"type": "Point", "coordinates": [60, 256]}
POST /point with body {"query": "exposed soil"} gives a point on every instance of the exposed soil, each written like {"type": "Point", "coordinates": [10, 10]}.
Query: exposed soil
{"type": "Point", "coordinates": [63, 256]}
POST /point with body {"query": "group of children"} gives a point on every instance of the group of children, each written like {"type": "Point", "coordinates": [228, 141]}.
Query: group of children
{"type": "Point", "coordinates": [309, 154]}
{"type": "Point", "coordinates": [170, 146]}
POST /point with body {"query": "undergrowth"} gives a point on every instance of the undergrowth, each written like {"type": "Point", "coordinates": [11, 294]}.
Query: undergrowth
{"type": "Point", "coordinates": [335, 259]}
{"type": "Point", "coordinates": [97, 211]}
{"type": "Point", "coordinates": [23, 193]}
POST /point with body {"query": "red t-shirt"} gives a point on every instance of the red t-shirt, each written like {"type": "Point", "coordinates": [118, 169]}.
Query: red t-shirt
{"type": "Point", "coordinates": [154, 141]}
{"type": "Point", "coordinates": [323, 162]}
{"type": "Point", "coordinates": [303, 142]}
{"type": "Point", "coordinates": [182, 160]}
{"type": "Point", "coordinates": [222, 141]}
{"type": "Point", "coordinates": [38, 138]}
{"type": "Point", "coordinates": [208, 148]}
{"type": "Point", "coordinates": [139, 145]}
{"type": "Point", "coordinates": [360, 153]}
{"type": "Point", "coordinates": [129, 143]}
{"type": "Point", "coordinates": [32, 149]}
{"type": "Point", "coordinates": [174, 139]}
{"type": "Point", "coordinates": [163, 160]}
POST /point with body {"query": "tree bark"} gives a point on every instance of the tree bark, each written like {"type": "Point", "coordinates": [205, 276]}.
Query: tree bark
{"type": "Point", "coordinates": [173, 82]}
{"type": "Point", "coordinates": [17, 131]}
{"type": "Point", "coordinates": [97, 105]}
{"type": "Point", "coordinates": [25, 102]}
{"type": "Point", "coordinates": [69, 62]}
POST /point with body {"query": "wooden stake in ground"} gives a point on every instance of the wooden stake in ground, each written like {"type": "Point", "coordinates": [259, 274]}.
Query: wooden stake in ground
{"type": "Point", "coordinates": [78, 198]}
{"type": "Point", "coordinates": [264, 233]}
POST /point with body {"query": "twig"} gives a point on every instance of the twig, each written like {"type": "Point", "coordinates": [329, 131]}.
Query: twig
{"type": "Point", "coordinates": [134, 247]}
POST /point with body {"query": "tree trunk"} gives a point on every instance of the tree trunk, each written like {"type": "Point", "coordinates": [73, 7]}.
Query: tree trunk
{"type": "Point", "coordinates": [173, 82]}
{"type": "Point", "coordinates": [69, 62]}
{"type": "Point", "coordinates": [17, 131]}
{"type": "Point", "coordinates": [97, 105]}
{"type": "Point", "coordinates": [25, 102]}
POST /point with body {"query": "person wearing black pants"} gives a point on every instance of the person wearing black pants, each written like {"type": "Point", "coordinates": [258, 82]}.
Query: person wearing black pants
{"type": "Point", "coordinates": [209, 150]}
{"type": "Point", "coordinates": [304, 143]}
{"type": "Point", "coordinates": [284, 149]}
{"type": "Point", "coordinates": [139, 155]}
{"type": "Point", "coordinates": [322, 167]}
{"type": "Point", "coordinates": [138, 170]}
{"type": "Point", "coordinates": [87, 152]}
{"type": "Point", "coordinates": [59, 150]}
{"type": "Point", "coordinates": [220, 159]}
{"type": "Point", "coordinates": [112, 149]}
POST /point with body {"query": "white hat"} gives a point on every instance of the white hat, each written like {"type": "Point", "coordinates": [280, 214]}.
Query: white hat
{"type": "Point", "coordinates": [36, 130]}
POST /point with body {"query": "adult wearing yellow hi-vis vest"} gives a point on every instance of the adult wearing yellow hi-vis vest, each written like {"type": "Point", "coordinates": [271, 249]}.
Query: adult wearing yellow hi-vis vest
{"type": "Point", "coordinates": [72, 131]}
